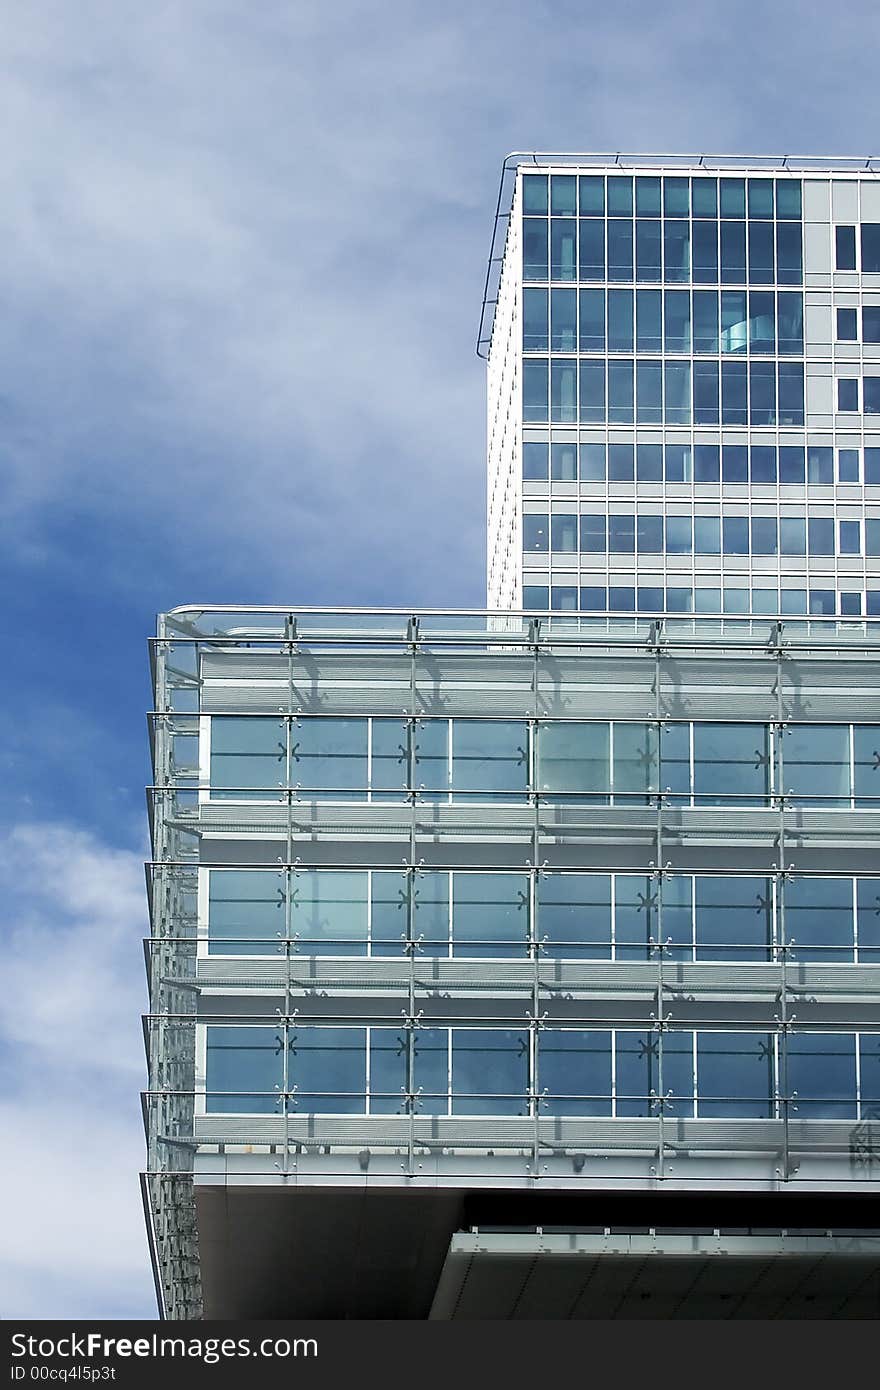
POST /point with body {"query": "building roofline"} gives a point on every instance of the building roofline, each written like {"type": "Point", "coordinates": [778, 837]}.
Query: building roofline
{"type": "Point", "coordinates": [780, 163]}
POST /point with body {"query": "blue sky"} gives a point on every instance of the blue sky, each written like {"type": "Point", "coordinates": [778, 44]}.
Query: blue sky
{"type": "Point", "coordinates": [243, 254]}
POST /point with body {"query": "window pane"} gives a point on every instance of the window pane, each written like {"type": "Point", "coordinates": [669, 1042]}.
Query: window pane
{"type": "Point", "coordinates": [534, 190]}
{"type": "Point", "coordinates": [620, 392]}
{"type": "Point", "coordinates": [707, 535]}
{"type": "Point", "coordinates": [731, 761]}
{"type": "Point", "coordinates": [790, 409]}
{"type": "Point", "coordinates": [328, 1066]}
{"type": "Point", "coordinates": [593, 532]}
{"type": "Point", "coordinates": [563, 462]}
{"type": "Point", "coordinates": [389, 909]}
{"type": "Point", "coordinates": [762, 463]}
{"type": "Point", "coordinates": [248, 757]}
{"type": "Point", "coordinates": [706, 399]}
{"type": "Point", "coordinates": [791, 322]}
{"type": "Point", "coordinates": [649, 393]}
{"type": "Point", "coordinates": [388, 1068]}
{"type": "Point", "coordinates": [490, 756]}
{"type": "Point", "coordinates": [816, 763]}
{"type": "Point", "coordinates": [678, 321]}
{"type": "Point", "coordinates": [649, 336]}
{"type": "Point", "coordinates": [534, 460]}
{"type": "Point", "coordinates": [734, 918]}
{"type": "Point", "coordinates": [563, 193]}
{"type": "Point", "coordinates": [704, 193]}
{"type": "Point", "coordinates": [762, 321]}
{"type": "Point", "coordinates": [676, 251]}
{"type": "Point", "coordinates": [244, 1070]}
{"type": "Point", "coordinates": [791, 463]}
{"type": "Point", "coordinates": [649, 463]}
{"type": "Point", "coordinates": [620, 249]}
{"type": "Point", "coordinates": [734, 393]}
{"type": "Point", "coordinates": [679, 535]}
{"type": "Point", "coordinates": [329, 756]}
{"type": "Point", "coordinates": [792, 535]}
{"type": "Point", "coordinates": [761, 253]}
{"type": "Point", "coordinates": [563, 320]}
{"type": "Point", "coordinates": [620, 463]}
{"type": "Point", "coordinates": [430, 926]}
{"type": "Point", "coordinates": [431, 1070]}
{"type": "Point", "coordinates": [820, 531]}
{"type": "Point", "coordinates": [246, 911]}
{"type": "Point", "coordinates": [574, 1071]}
{"type": "Point", "coordinates": [390, 757]}
{"type": "Point", "coordinates": [328, 911]}
{"type": "Point", "coordinates": [788, 198]}
{"type": "Point", "coordinates": [535, 263]}
{"type": "Point", "coordinates": [871, 323]}
{"type": "Point", "coordinates": [431, 768]}
{"type": "Point", "coordinates": [821, 1075]}
{"type": "Point", "coordinates": [490, 1071]}
{"type": "Point", "coordinates": [868, 919]}
{"type": "Point", "coordinates": [563, 390]}
{"type": "Point", "coordinates": [563, 532]}
{"type": "Point", "coordinates": [620, 195]}
{"type": "Point", "coordinates": [845, 248]}
{"type": "Point", "coordinates": [636, 916]}
{"type": "Point", "coordinates": [847, 325]}
{"type": "Point", "coordinates": [648, 250]}
{"type": "Point", "coordinates": [762, 393]}
{"type": "Point", "coordinates": [819, 918]}
{"type": "Point", "coordinates": [592, 250]}
{"type": "Point", "coordinates": [592, 195]}
{"type": "Point", "coordinates": [705, 253]}
{"type": "Point", "coordinates": [621, 534]}
{"type": "Point", "coordinates": [635, 761]}
{"type": "Point", "coordinates": [789, 254]}
{"type": "Point", "coordinates": [563, 241]}
{"type": "Point", "coordinates": [733, 253]}
{"type": "Point", "coordinates": [592, 392]}
{"type": "Point", "coordinates": [490, 914]}
{"type": "Point", "coordinates": [637, 1072]}
{"type": "Point", "coordinates": [620, 320]}
{"type": "Point", "coordinates": [870, 248]}
{"type": "Point", "coordinates": [536, 393]}
{"type": "Point", "coordinates": [735, 1075]}
{"type": "Point", "coordinates": [574, 915]}
{"type": "Point", "coordinates": [535, 335]}
{"type": "Point", "coordinates": [592, 328]}
{"type": "Point", "coordinates": [573, 758]}
{"type": "Point", "coordinates": [649, 535]}
{"type": "Point", "coordinates": [866, 754]}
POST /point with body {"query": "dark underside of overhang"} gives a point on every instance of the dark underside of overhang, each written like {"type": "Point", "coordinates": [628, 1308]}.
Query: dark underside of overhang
{"type": "Point", "coordinates": [386, 1252]}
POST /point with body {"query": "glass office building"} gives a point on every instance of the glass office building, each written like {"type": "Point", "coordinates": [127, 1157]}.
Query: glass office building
{"type": "Point", "coordinates": [487, 947]}
{"type": "Point", "coordinates": [526, 962]}
{"type": "Point", "coordinates": [684, 386]}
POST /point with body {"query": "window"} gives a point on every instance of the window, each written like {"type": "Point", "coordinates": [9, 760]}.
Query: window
{"type": "Point", "coordinates": [848, 465]}
{"type": "Point", "coordinates": [534, 191]}
{"type": "Point", "coordinates": [563, 533]}
{"type": "Point", "coordinates": [731, 762]}
{"type": "Point", "coordinates": [621, 534]}
{"type": "Point", "coordinates": [870, 248]}
{"type": "Point", "coordinates": [815, 764]}
{"type": "Point", "coordinates": [649, 537]}
{"type": "Point", "coordinates": [536, 532]}
{"type": "Point", "coordinates": [490, 914]}
{"type": "Point", "coordinates": [534, 461]}
{"type": "Point", "coordinates": [820, 533]}
{"type": "Point", "coordinates": [563, 390]}
{"type": "Point", "coordinates": [791, 463]}
{"type": "Point", "coordinates": [246, 911]}
{"type": "Point", "coordinates": [847, 394]}
{"type": "Point", "coordinates": [706, 463]}
{"type": "Point", "coordinates": [574, 1071]}
{"type": "Point", "coordinates": [764, 535]}
{"type": "Point", "coordinates": [821, 1070]}
{"type": "Point", "coordinates": [535, 261]}
{"type": "Point", "coordinates": [574, 758]}
{"type": "Point", "coordinates": [593, 528]}
{"type": "Point", "coordinates": [563, 243]}
{"type": "Point", "coordinates": [244, 1070]}
{"type": "Point", "coordinates": [679, 535]}
{"type": "Point", "coordinates": [574, 915]}
{"type": "Point", "coordinates": [592, 251]}
{"type": "Point", "coordinates": [871, 323]}
{"type": "Point", "coordinates": [734, 463]}
{"type": "Point", "coordinates": [248, 757]}
{"type": "Point", "coordinates": [536, 597]}
{"type": "Point", "coordinates": [733, 917]}
{"type": "Point", "coordinates": [329, 910]}
{"type": "Point", "coordinates": [620, 320]}
{"type": "Point", "coordinates": [592, 391]}
{"type": "Point", "coordinates": [490, 758]}
{"type": "Point", "coordinates": [328, 1066]}
{"type": "Point", "coordinates": [735, 1074]}
{"type": "Point", "coordinates": [871, 387]}
{"type": "Point", "coordinates": [820, 464]}
{"type": "Point", "coordinates": [819, 919]}
{"type": "Point", "coordinates": [850, 538]}
{"type": "Point", "coordinates": [563, 320]}
{"type": "Point", "coordinates": [845, 248]}
{"type": "Point", "coordinates": [592, 457]}
{"type": "Point", "coordinates": [536, 399]}
{"type": "Point", "coordinates": [677, 462]}
{"type": "Point", "coordinates": [563, 193]}
{"type": "Point", "coordinates": [490, 1071]}
{"type": "Point", "coordinates": [535, 335]}
{"type": "Point", "coordinates": [563, 462]}
{"type": "Point", "coordinates": [649, 463]}
{"type": "Point", "coordinates": [591, 195]}
{"type": "Point", "coordinates": [707, 535]}
{"type": "Point", "coordinates": [736, 535]}
{"type": "Point", "coordinates": [847, 326]}
{"type": "Point", "coordinates": [592, 326]}
{"type": "Point", "coordinates": [620, 463]}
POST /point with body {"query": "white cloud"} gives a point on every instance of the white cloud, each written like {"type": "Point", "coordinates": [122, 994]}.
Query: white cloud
{"type": "Point", "coordinates": [72, 1241]}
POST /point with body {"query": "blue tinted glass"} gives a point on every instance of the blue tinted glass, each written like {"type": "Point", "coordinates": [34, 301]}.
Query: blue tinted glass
{"type": "Point", "coordinates": [733, 253]}
{"type": "Point", "coordinates": [871, 323]}
{"type": "Point", "coordinates": [563, 319]}
{"type": "Point", "coordinates": [244, 1070]}
{"type": "Point", "coordinates": [573, 757]}
{"type": "Point", "coordinates": [845, 248]}
{"type": "Point", "coordinates": [707, 465]}
{"type": "Point", "coordinates": [592, 250]}
{"type": "Point", "coordinates": [574, 1071]}
{"type": "Point", "coordinates": [248, 757]}
{"type": "Point", "coordinates": [534, 457]}
{"type": "Point", "coordinates": [847, 325]}
{"type": "Point", "coordinates": [706, 394]}
{"type": "Point", "coordinates": [621, 599]}
{"type": "Point", "coordinates": [731, 761]}
{"type": "Point", "coordinates": [592, 391]}
{"type": "Point", "coordinates": [762, 393]}
{"type": "Point", "coordinates": [649, 463]}
{"type": "Point", "coordinates": [678, 463]}
{"type": "Point", "coordinates": [649, 600]}
{"type": "Point", "coordinates": [789, 254]}
{"type": "Point", "coordinates": [736, 535]}
{"type": "Point", "coordinates": [620, 195]}
{"type": "Point", "coordinates": [872, 603]}
{"type": "Point", "coordinates": [328, 909]}
{"type": "Point", "coordinates": [592, 323]}
{"type": "Point", "coordinates": [790, 322]}
{"type": "Point", "coordinates": [788, 198]}
{"type": "Point", "coordinates": [872, 395]}
{"type": "Point", "coordinates": [735, 1072]}
{"type": "Point", "coordinates": [489, 1071]}
{"type": "Point", "coordinates": [868, 926]}
{"type": "Point", "coordinates": [734, 321]}
{"type": "Point", "coordinates": [872, 465]}
{"type": "Point", "coordinates": [733, 917]}
{"type": "Point", "coordinates": [536, 532]}
{"type": "Point", "coordinates": [620, 463]}
{"type": "Point", "coordinates": [760, 197]}
{"type": "Point", "coordinates": [707, 600]}
{"type": "Point", "coordinates": [536, 596]}
{"type": "Point", "coordinates": [620, 392]}
{"type": "Point", "coordinates": [620, 320]}
{"type": "Point", "coordinates": [704, 193]}
{"type": "Point", "coordinates": [574, 915]}
{"type": "Point", "coordinates": [791, 463]}
{"type": "Point", "coordinates": [563, 462]}
{"type": "Point", "coordinates": [648, 250]}
{"type": "Point", "coordinates": [762, 463]}
{"type": "Point", "coordinates": [677, 321]}
{"type": "Point", "coordinates": [870, 248]}
{"type": "Point", "coordinates": [620, 249]}
{"type": "Point", "coordinates": [490, 755]}
{"type": "Point", "coordinates": [649, 336]}
{"type": "Point", "coordinates": [563, 193]}
{"type": "Point", "coordinates": [676, 251]}
{"type": "Point", "coordinates": [676, 200]}
{"type": "Point", "coordinates": [821, 1072]}
{"type": "Point", "coordinates": [592, 463]}
{"type": "Point", "coordinates": [815, 761]}
{"type": "Point", "coordinates": [850, 605]}
{"type": "Point", "coordinates": [790, 408]}
{"type": "Point", "coordinates": [564, 598]}
{"type": "Point", "coordinates": [593, 599]}
{"type": "Point", "coordinates": [764, 536]}
{"type": "Point", "coordinates": [792, 535]}
{"type": "Point", "coordinates": [822, 602]}
{"type": "Point", "coordinates": [733, 198]}
{"type": "Point", "coordinates": [821, 535]}
{"type": "Point", "coordinates": [679, 535]}
{"type": "Point", "coordinates": [328, 1067]}
{"type": "Point", "coordinates": [820, 464]}
{"type": "Point", "coordinates": [637, 1054]}
{"type": "Point", "coordinates": [707, 535]}
{"type": "Point", "coordinates": [593, 532]}
{"type": "Point", "coordinates": [734, 463]}
{"type": "Point", "coordinates": [736, 600]}
{"type": "Point", "coordinates": [705, 321]}
{"type": "Point", "coordinates": [592, 195]}
{"type": "Point", "coordinates": [872, 536]}
{"type": "Point", "coordinates": [647, 197]}
{"type": "Point", "coordinates": [649, 393]}
{"type": "Point", "coordinates": [677, 379]}
{"type": "Point", "coordinates": [679, 600]}
{"type": "Point", "coordinates": [762, 321]}
{"type": "Point", "coordinates": [330, 755]}
{"type": "Point", "coordinates": [535, 262]}
{"type": "Point", "coordinates": [649, 538]}
{"type": "Point", "coordinates": [563, 241]}
{"type": "Point", "coordinates": [621, 534]}
{"type": "Point", "coordinates": [850, 538]}
{"type": "Point", "coordinates": [246, 911]}
{"type": "Point", "coordinates": [765, 601]}
{"type": "Point", "coordinates": [760, 253]}
{"type": "Point", "coordinates": [563, 390]}
{"type": "Point", "coordinates": [536, 392]}
{"type": "Point", "coordinates": [564, 532]}
{"type": "Point", "coordinates": [847, 394]}
{"type": "Point", "coordinates": [793, 601]}
{"type": "Point", "coordinates": [534, 189]}
{"type": "Point", "coordinates": [534, 316]}
{"type": "Point", "coordinates": [705, 253]}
